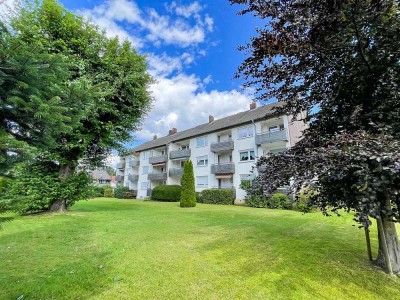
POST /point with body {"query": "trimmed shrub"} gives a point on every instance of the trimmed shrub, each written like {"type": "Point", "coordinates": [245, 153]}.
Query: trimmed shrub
{"type": "Point", "coordinates": [109, 192]}
{"type": "Point", "coordinates": [168, 193]}
{"type": "Point", "coordinates": [98, 191]}
{"type": "Point", "coordinates": [122, 192]}
{"type": "Point", "coordinates": [198, 197]}
{"type": "Point", "coordinates": [303, 199]}
{"type": "Point", "coordinates": [256, 201]}
{"type": "Point", "coordinates": [188, 194]}
{"type": "Point", "coordinates": [279, 201]}
{"type": "Point", "coordinates": [218, 196]}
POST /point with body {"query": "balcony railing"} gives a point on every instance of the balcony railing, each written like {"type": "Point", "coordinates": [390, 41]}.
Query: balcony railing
{"type": "Point", "coordinates": [179, 154]}
{"type": "Point", "coordinates": [133, 177]}
{"type": "Point", "coordinates": [223, 168]}
{"type": "Point", "coordinates": [175, 172]}
{"type": "Point", "coordinates": [158, 159]}
{"type": "Point", "coordinates": [121, 165]}
{"type": "Point", "coordinates": [222, 146]}
{"type": "Point", "coordinates": [157, 176]}
{"type": "Point", "coordinates": [272, 137]}
{"type": "Point", "coordinates": [119, 179]}
{"type": "Point", "coordinates": [134, 163]}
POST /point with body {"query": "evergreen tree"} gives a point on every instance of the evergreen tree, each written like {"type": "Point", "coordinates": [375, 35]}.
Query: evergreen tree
{"type": "Point", "coordinates": [188, 192]}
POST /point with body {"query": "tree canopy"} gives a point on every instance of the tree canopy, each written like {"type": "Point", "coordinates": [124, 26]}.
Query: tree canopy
{"type": "Point", "coordinates": [338, 61]}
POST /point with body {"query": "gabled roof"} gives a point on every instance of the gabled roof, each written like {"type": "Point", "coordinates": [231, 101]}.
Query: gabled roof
{"type": "Point", "coordinates": [241, 118]}
{"type": "Point", "coordinates": [99, 174]}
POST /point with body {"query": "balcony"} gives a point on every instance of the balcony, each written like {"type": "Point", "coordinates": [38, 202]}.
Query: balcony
{"type": "Point", "coordinates": [121, 165]}
{"type": "Point", "coordinates": [157, 176]}
{"type": "Point", "coordinates": [175, 172]}
{"type": "Point", "coordinates": [184, 153]}
{"type": "Point", "coordinates": [223, 146]}
{"type": "Point", "coordinates": [133, 177]}
{"type": "Point", "coordinates": [119, 179]}
{"type": "Point", "coordinates": [158, 159]}
{"type": "Point", "coordinates": [223, 168]}
{"type": "Point", "coordinates": [272, 137]}
{"type": "Point", "coordinates": [134, 163]}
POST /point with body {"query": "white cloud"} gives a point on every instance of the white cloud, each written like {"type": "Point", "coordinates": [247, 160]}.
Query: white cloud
{"type": "Point", "coordinates": [158, 29]}
{"type": "Point", "coordinates": [181, 102]}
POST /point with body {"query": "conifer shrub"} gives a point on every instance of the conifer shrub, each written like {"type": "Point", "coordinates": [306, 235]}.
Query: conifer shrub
{"type": "Point", "coordinates": [167, 193]}
{"type": "Point", "coordinates": [188, 193]}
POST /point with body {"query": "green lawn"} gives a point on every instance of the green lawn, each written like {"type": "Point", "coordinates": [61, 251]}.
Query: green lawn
{"type": "Point", "coordinates": [129, 249]}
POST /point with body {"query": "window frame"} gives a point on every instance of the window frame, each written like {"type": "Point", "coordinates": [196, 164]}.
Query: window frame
{"type": "Point", "coordinates": [204, 137]}
{"type": "Point", "coordinates": [248, 129]}
{"type": "Point", "coordinates": [202, 158]}
{"type": "Point", "coordinates": [249, 151]}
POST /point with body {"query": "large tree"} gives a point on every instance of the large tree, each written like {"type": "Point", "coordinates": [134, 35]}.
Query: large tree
{"type": "Point", "coordinates": [339, 61]}
{"type": "Point", "coordinates": [110, 75]}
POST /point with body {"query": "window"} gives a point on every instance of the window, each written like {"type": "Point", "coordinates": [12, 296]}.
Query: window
{"type": "Point", "coordinates": [202, 161]}
{"type": "Point", "coordinates": [146, 170]}
{"type": "Point", "coordinates": [245, 132]}
{"type": "Point", "coordinates": [145, 154]}
{"type": "Point", "coordinates": [275, 128]}
{"type": "Point", "coordinates": [144, 185]}
{"type": "Point", "coordinates": [201, 141]}
{"type": "Point", "coordinates": [247, 155]}
{"type": "Point", "coordinates": [185, 147]}
{"type": "Point", "coordinates": [202, 181]}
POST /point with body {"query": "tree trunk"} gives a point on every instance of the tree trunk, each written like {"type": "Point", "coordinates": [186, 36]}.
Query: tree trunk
{"type": "Point", "coordinates": [60, 205]}
{"type": "Point", "coordinates": [387, 232]}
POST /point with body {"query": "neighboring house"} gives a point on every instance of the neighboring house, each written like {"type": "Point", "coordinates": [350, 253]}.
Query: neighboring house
{"type": "Point", "coordinates": [223, 151]}
{"type": "Point", "coordinates": [100, 176]}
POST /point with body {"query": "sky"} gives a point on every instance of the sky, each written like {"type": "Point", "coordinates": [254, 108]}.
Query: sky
{"type": "Point", "coordinates": [191, 49]}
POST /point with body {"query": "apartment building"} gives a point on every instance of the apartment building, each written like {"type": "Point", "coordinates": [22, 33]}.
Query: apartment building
{"type": "Point", "coordinates": [223, 151]}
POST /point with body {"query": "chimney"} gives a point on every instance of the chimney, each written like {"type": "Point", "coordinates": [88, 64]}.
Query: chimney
{"type": "Point", "coordinates": [210, 118]}
{"type": "Point", "coordinates": [253, 105]}
{"type": "Point", "coordinates": [172, 131]}
{"type": "Point", "coordinates": [155, 137]}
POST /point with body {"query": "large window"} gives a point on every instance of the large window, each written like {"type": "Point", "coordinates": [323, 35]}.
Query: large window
{"type": "Point", "coordinates": [202, 141]}
{"type": "Point", "coordinates": [202, 161]}
{"type": "Point", "coordinates": [245, 132]}
{"type": "Point", "coordinates": [146, 170]}
{"type": "Point", "coordinates": [247, 155]}
{"type": "Point", "coordinates": [202, 181]}
{"type": "Point", "coordinates": [144, 185]}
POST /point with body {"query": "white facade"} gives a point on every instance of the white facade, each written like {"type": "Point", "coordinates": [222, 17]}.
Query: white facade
{"type": "Point", "coordinates": [220, 159]}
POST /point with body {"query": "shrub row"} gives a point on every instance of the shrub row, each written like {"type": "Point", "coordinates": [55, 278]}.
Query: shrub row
{"type": "Point", "coordinates": [212, 196]}
{"type": "Point", "coordinates": [168, 193]}
{"type": "Point", "coordinates": [122, 192]}
{"type": "Point", "coordinates": [276, 201]}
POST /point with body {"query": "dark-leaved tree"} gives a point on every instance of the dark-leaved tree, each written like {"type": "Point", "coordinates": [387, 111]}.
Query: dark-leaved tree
{"type": "Point", "coordinates": [339, 61]}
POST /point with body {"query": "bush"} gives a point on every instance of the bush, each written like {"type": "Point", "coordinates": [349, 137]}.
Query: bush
{"type": "Point", "coordinates": [98, 191]}
{"type": "Point", "coordinates": [188, 195]}
{"type": "Point", "coordinates": [168, 193]}
{"type": "Point", "coordinates": [198, 197]}
{"type": "Point", "coordinates": [256, 201]}
{"type": "Point", "coordinates": [122, 192]}
{"type": "Point", "coordinates": [109, 192]}
{"type": "Point", "coordinates": [303, 199]}
{"type": "Point", "coordinates": [4, 183]}
{"type": "Point", "coordinates": [279, 201]}
{"type": "Point", "coordinates": [218, 196]}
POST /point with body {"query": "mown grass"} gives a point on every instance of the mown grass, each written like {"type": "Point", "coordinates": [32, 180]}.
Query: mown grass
{"type": "Point", "coordinates": [129, 249]}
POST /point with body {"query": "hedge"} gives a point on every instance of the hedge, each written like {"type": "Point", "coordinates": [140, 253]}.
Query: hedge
{"type": "Point", "coordinates": [279, 201]}
{"type": "Point", "coordinates": [122, 192]}
{"type": "Point", "coordinates": [168, 193]}
{"type": "Point", "coordinates": [223, 196]}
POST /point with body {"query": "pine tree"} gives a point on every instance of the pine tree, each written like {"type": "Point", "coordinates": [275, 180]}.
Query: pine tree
{"type": "Point", "coordinates": [188, 193]}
